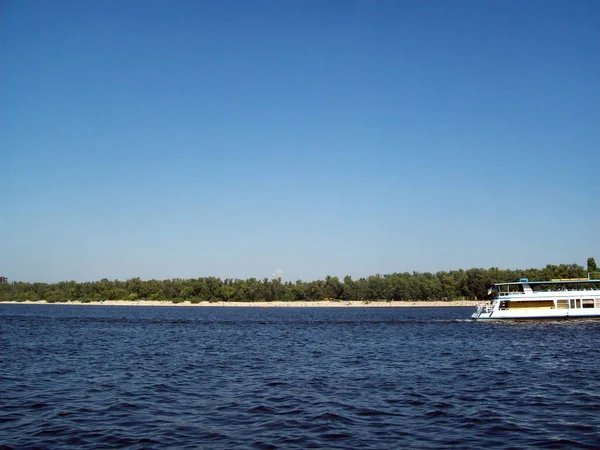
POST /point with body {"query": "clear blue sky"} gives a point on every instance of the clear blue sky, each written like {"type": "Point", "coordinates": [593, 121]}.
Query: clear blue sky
{"type": "Point", "coordinates": [166, 139]}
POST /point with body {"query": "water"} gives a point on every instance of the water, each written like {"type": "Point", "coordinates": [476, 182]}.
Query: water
{"type": "Point", "coordinates": [175, 377]}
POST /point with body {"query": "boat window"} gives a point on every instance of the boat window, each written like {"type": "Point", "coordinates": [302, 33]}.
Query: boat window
{"type": "Point", "coordinates": [587, 303]}
{"type": "Point", "coordinates": [508, 289]}
{"type": "Point", "coordinates": [536, 304]}
{"type": "Point", "coordinates": [598, 303]}
{"type": "Point", "coordinates": [575, 303]}
{"type": "Point", "coordinates": [562, 304]}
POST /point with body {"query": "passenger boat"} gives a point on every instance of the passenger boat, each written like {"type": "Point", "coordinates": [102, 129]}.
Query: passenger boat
{"type": "Point", "coordinates": [576, 298]}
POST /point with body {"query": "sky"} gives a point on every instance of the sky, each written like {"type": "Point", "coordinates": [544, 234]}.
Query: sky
{"type": "Point", "coordinates": [188, 138]}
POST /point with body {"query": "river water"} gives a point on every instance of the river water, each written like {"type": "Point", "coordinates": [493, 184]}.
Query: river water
{"type": "Point", "coordinates": [267, 378]}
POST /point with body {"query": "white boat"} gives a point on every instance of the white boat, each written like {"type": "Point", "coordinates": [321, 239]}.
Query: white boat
{"type": "Point", "coordinates": [572, 298]}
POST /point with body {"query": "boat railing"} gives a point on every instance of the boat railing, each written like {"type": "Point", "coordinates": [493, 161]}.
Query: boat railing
{"type": "Point", "coordinates": [504, 294]}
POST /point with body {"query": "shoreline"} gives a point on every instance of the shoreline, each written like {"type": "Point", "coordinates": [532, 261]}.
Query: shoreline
{"type": "Point", "coordinates": [273, 304]}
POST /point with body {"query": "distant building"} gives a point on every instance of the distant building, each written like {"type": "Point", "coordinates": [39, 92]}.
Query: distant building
{"type": "Point", "coordinates": [3, 280]}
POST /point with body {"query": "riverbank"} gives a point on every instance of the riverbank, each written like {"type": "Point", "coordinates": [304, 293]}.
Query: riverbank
{"type": "Point", "coordinates": [274, 304]}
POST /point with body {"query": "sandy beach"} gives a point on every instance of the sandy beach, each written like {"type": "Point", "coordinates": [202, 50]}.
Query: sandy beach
{"type": "Point", "coordinates": [274, 304]}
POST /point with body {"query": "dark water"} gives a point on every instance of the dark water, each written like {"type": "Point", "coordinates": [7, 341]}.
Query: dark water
{"type": "Point", "coordinates": [173, 377]}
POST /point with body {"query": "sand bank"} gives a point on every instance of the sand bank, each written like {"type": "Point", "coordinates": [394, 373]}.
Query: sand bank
{"type": "Point", "coordinates": [276, 304]}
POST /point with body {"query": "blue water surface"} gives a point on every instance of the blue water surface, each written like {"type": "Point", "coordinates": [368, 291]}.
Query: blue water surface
{"type": "Point", "coordinates": [348, 378]}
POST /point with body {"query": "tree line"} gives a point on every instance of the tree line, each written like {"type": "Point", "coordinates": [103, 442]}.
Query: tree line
{"type": "Point", "coordinates": [446, 286]}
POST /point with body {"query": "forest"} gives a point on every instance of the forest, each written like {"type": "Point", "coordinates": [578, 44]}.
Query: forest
{"type": "Point", "coordinates": [470, 284]}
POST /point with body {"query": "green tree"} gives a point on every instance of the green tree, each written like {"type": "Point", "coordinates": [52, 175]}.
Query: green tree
{"type": "Point", "coordinates": [187, 292]}
{"type": "Point", "coordinates": [333, 288]}
{"type": "Point", "coordinates": [349, 289]}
